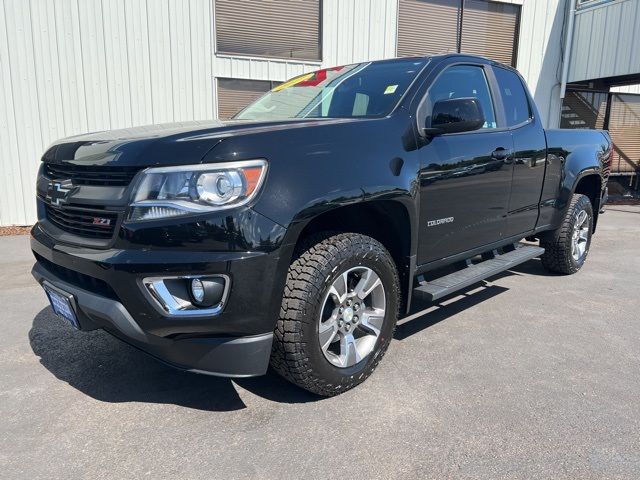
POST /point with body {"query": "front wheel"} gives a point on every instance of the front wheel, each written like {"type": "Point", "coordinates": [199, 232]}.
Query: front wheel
{"type": "Point", "coordinates": [338, 314]}
{"type": "Point", "coordinates": [567, 248]}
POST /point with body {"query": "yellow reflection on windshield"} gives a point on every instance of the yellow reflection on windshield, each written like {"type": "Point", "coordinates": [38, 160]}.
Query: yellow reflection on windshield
{"type": "Point", "coordinates": [293, 81]}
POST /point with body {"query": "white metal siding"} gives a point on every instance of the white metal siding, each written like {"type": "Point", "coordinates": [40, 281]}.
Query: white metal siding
{"type": "Point", "coordinates": [68, 67]}
{"type": "Point", "coordinates": [72, 66]}
{"type": "Point", "coordinates": [605, 42]}
{"type": "Point", "coordinates": [358, 30]}
{"type": "Point", "coordinates": [352, 31]}
{"type": "Point", "coordinates": [540, 55]}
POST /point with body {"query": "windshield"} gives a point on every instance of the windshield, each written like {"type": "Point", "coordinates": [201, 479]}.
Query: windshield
{"type": "Point", "coordinates": [358, 90]}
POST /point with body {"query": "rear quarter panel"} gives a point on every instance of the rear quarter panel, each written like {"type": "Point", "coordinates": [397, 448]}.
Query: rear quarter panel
{"type": "Point", "coordinates": [571, 155]}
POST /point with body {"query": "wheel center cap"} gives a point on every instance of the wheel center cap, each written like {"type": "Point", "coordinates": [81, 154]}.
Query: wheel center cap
{"type": "Point", "coordinates": [347, 314]}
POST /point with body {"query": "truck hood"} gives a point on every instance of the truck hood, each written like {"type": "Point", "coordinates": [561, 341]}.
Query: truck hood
{"type": "Point", "coordinates": [164, 144]}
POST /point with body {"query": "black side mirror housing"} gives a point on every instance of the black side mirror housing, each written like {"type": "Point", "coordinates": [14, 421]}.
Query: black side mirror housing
{"type": "Point", "coordinates": [455, 115]}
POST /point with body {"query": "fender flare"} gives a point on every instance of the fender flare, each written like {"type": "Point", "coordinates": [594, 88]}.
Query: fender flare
{"type": "Point", "coordinates": [577, 165]}
{"type": "Point", "coordinates": [312, 212]}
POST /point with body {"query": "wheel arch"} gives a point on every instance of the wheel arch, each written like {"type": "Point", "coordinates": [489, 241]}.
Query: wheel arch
{"type": "Point", "coordinates": [582, 172]}
{"type": "Point", "coordinates": [391, 222]}
{"type": "Point", "coordinates": [590, 185]}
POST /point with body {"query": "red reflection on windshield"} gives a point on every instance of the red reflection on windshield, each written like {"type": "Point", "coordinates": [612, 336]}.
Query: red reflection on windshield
{"type": "Point", "coordinates": [318, 77]}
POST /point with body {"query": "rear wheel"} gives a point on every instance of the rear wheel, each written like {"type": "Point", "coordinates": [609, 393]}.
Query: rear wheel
{"type": "Point", "coordinates": [338, 314]}
{"type": "Point", "coordinates": [567, 247]}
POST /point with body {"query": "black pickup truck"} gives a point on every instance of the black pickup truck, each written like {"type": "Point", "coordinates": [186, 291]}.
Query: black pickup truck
{"type": "Point", "coordinates": [298, 233]}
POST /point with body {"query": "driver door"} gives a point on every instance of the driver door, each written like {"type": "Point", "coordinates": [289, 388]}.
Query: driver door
{"type": "Point", "coordinates": [465, 178]}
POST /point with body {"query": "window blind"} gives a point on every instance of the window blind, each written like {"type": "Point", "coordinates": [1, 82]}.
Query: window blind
{"type": "Point", "coordinates": [427, 27]}
{"type": "Point", "coordinates": [624, 128]}
{"type": "Point", "coordinates": [235, 94]}
{"type": "Point", "coordinates": [269, 28]}
{"type": "Point", "coordinates": [490, 29]}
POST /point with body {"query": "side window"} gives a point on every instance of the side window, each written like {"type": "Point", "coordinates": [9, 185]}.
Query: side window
{"type": "Point", "coordinates": [462, 81]}
{"type": "Point", "coordinates": [514, 97]}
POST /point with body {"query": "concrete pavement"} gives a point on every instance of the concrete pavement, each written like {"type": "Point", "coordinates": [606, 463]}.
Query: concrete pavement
{"type": "Point", "coordinates": [530, 376]}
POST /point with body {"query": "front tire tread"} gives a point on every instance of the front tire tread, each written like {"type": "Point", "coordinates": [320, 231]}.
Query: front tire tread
{"type": "Point", "coordinates": [306, 281]}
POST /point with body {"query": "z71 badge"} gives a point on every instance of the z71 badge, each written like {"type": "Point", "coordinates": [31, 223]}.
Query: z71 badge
{"type": "Point", "coordinates": [101, 221]}
{"type": "Point", "coordinates": [439, 221]}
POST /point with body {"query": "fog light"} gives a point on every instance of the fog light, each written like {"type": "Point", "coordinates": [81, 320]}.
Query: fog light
{"type": "Point", "coordinates": [197, 290]}
{"type": "Point", "coordinates": [189, 296]}
{"type": "Point", "coordinates": [206, 292]}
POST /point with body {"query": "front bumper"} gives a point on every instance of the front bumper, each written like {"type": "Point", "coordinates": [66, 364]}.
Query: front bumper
{"type": "Point", "coordinates": [220, 355]}
{"type": "Point", "coordinates": [109, 294]}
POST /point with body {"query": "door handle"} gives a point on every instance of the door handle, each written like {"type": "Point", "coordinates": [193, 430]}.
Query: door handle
{"type": "Point", "coordinates": [501, 153]}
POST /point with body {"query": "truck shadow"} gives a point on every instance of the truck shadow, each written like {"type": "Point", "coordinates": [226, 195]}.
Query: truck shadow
{"type": "Point", "coordinates": [532, 267]}
{"type": "Point", "coordinates": [424, 314]}
{"type": "Point", "coordinates": [109, 370]}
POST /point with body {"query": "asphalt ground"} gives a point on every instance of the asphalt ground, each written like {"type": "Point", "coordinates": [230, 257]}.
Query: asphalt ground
{"type": "Point", "coordinates": [529, 375]}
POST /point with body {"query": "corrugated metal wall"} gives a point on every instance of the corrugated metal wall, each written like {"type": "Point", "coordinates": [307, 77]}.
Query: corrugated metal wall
{"type": "Point", "coordinates": [540, 54]}
{"type": "Point", "coordinates": [72, 66]}
{"type": "Point", "coordinates": [606, 41]}
{"type": "Point", "coordinates": [69, 66]}
{"type": "Point", "coordinates": [352, 31]}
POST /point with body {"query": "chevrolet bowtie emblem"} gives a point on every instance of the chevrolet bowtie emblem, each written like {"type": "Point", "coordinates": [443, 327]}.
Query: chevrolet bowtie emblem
{"type": "Point", "coordinates": [58, 192]}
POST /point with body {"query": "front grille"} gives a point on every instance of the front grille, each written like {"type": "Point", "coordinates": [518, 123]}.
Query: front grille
{"type": "Point", "coordinates": [86, 222]}
{"type": "Point", "coordinates": [91, 175]}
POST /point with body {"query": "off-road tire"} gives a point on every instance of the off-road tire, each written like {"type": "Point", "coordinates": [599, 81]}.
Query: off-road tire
{"type": "Point", "coordinates": [557, 256]}
{"type": "Point", "coordinates": [296, 353]}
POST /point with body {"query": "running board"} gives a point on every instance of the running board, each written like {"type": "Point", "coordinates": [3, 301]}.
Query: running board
{"type": "Point", "coordinates": [474, 273]}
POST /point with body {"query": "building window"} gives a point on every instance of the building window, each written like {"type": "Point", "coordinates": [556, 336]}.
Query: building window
{"type": "Point", "coordinates": [619, 113]}
{"type": "Point", "coordinates": [479, 27]}
{"type": "Point", "coordinates": [592, 3]}
{"type": "Point", "coordinates": [235, 94]}
{"type": "Point", "coordinates": [428, 27]}
{"type": "Point", "coordinates": [624, 127]}
{"type": "Point", "coordinates": [490, 29]}
{"type": "Point", "coordinates": [269, 28]}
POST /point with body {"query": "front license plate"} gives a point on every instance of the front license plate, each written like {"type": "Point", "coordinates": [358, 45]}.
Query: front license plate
{"type": "Point", "coordinates": [61, 305]}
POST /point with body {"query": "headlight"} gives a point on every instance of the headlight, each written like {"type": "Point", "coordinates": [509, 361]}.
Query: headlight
{"type": "Point", "coordinates": [173, 191]}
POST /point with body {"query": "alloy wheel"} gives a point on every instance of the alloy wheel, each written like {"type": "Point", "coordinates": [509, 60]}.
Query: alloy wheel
{"type": "Point", "coordinates": [580, 236]}
{"type": "Point", "coordinates": [352, 316]}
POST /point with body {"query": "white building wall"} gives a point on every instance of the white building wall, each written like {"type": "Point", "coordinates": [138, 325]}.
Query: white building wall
{"type": "Point", "coordinates": [540, 54]}
{"type": "Point", "coordinates": [352, 31]}
{"type": "Point", "coordinates": [69, 67]}
{"type": "Point", "coordinates": [605, 41]}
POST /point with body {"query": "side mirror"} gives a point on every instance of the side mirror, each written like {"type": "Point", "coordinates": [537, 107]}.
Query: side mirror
{"type": "Point", "coordinates": [456, 115]}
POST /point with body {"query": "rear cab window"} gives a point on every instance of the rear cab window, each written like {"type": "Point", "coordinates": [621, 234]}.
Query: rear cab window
{"type": "Point", "coordinates": [514, 97]}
